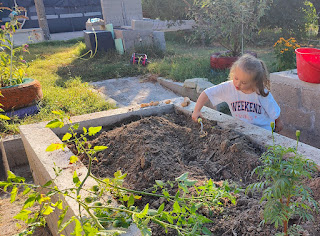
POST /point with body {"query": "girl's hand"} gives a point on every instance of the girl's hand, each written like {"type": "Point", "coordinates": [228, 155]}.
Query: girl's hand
{"type": "Point", "coordinates": [196, 115]}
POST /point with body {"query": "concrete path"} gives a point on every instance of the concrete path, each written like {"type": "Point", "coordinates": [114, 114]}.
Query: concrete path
{"type": "Point", "coordinates": [132, 91]}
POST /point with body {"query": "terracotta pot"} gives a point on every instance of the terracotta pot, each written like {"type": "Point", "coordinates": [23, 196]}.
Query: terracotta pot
{"type": "Point", "coordinates": [21, 95]}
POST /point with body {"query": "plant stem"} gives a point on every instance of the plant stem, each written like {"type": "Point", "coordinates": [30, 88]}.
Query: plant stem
{"type": "Point", "coordinates": [11, 48]}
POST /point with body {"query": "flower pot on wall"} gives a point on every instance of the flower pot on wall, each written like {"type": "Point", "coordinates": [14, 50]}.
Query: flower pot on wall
{"type": "Point", "coordinates": [220, 62]}
{"type": "Point", "coordinates": [21, 95]}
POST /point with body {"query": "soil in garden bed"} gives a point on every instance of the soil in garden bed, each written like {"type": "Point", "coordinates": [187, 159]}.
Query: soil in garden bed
{"type": "Point", "coordinates": [164, 147]}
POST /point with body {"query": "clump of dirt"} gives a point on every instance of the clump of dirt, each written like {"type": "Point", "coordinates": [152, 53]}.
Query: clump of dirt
{"type": "Point", "coordinates": [164, 147]}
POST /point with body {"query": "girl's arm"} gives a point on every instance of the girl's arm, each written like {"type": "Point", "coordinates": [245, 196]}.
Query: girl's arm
{"type": "Point", "coordinates": [279, 125]}
{"type": "Point", "coordinates": [202, 99]}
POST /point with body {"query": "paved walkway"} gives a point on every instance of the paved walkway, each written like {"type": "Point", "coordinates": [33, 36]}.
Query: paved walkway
{"type": "Point", "coordinates": [132, 91]}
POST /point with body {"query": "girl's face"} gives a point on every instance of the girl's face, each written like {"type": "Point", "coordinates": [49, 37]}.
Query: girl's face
{"type": "Point", "coordinates": [243, 81]}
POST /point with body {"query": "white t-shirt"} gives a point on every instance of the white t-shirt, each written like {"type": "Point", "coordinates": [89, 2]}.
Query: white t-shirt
{"type": "Point", "coordinates": [251, 108]}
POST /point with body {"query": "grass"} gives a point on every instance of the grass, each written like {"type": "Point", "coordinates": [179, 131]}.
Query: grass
{"type": "Point", "coordinates": [72, 96]}
{"type": "Point", "coordinates": [64, 74]}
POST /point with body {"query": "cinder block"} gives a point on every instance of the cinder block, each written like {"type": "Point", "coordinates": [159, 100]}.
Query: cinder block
{"type": "Point", "coordinates": [121, 13]}
{"type": "Point", "coordinates": [141, 25]}
{"type": "Point", "coordinates": [286, 94]}
{"type": "Point", "coordinates": [310, 98]}
{"type": "Point", "coordinates": [297, 118]}
{"type": "Point", "coordinates": [159, 39]}
{"type": "Point", "coordinates": [132, 38]}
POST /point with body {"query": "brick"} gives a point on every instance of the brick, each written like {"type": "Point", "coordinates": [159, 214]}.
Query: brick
{"type": "Point", "coordinates": [310, 99]}
{"type": "Point", "coordinates": [286, 94]}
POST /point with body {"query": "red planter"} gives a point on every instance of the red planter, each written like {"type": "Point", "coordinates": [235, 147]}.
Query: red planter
{"type": "Point", "coordinates": [219, 62]}
{"type": "Point", "coordinates": [21, 95]}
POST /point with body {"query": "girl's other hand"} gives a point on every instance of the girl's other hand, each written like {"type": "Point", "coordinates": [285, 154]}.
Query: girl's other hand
{"type": "Point", "coordinates": [279, 125]}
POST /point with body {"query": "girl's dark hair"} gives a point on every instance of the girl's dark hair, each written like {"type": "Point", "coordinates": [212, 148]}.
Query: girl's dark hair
{"type": "Point", "coordinates": [256, 67]}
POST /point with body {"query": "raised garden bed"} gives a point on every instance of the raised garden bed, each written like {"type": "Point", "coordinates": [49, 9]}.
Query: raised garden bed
{"type": "Point", "coordinates": [162, 147]}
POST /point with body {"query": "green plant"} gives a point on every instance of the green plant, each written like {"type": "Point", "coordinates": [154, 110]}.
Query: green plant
{"type": "Point", "coordinates": [183, 200]}
{"type": "Point", "coordinates": [12, 64]}
{"type": "Point", "coordinates": [285, 53]}
{"type": "Point", "coordinates": [283, 172]}
{"type": "Point", "coordinates": [228, 22]}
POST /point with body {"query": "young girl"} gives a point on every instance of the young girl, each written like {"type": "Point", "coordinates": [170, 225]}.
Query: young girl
{"type": "Point", "coordinates": [246, 94]}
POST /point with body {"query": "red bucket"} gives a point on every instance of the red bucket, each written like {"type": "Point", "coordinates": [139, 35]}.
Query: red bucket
{"type": "Point", "coordinates": [308, 64]}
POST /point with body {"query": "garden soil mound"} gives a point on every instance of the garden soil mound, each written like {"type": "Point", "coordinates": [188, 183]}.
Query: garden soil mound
{"type": "Point", "coordinates": [164, 147]}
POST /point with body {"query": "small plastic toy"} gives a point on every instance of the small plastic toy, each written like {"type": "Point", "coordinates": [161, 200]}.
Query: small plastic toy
{"type": "Point", "coordinates": [140, 59]}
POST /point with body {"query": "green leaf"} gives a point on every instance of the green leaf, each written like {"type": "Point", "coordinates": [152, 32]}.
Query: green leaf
{"type": "Point", "coordinates": [161, 208]}
{"type": "Point", "coordinates": [22, 215]}
{"type": "Point", "coordinates": [73, 159]}
{"type": "Point", "coordinates": [84, 130]}
{"type": "Point", "coordinates": [54, 146]}
{"type": "Point", "coordinates": [176, 207]}
{"type": "Point", "coordinates": [146, 232]}
{"type": "Point", "coordinates": [77, 229]}
{"type": "Point", "coordinates": [160, 183]}
{"type": "Point", "coordinates": [62, 215]}
{"type": "Point", "coordinates": [131, 200]}
{"type": "Point", "coordinates": [57, 113]}
{"type": "Point", "coordinates": [47, 184]}
{"type": "Point", "coordinates": [13, 194]}
{"type": "Point", "coordinates": [206, 231]}
{"type": "Point", "coordinates": [26, 191]}
{"type": "Point", "coordinates": [47, 210]}
{"type": "Point", "coordinates": [89, 230]}
{"type": "Point", "coordinates": [29, 202]}
{"type": "Point", "coordinates": [66, 137]}
{"type": "Point", "coordinates": [100, 148]}
{"type": "Point", "coordinates": [76, 179]}
{"type": "Point", "coordinates": [62, 227]}
{"type": "Point", "coordinates": [144, 212]}
{"type": "Point", "coordinates": [3, 117]}
{"type": "Point", "coordinates": [182, 177]}
{"type": "Point", "coordinates": [55, 124]}
{"type": "Point", "coordinates": [94, 130]}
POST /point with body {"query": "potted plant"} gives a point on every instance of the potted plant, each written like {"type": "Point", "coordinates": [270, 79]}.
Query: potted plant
{"type": "Point", "coordinates": [229, 23]}
{"type": "Point", "coordinates": [17, 91]}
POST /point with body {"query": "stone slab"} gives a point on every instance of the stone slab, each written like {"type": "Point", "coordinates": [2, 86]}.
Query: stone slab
{"type": "Point", "coordinates": [202, 85]}
{"type": "Point", "coordinates": [193, 83]}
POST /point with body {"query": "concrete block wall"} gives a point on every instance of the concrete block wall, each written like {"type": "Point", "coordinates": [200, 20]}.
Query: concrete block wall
{"type": "Point", "coordinates": [132, 38]}
{"type": "Point", "coordinates": [122, 12]}
{"type": "Point", "coordinates": [300, 106]}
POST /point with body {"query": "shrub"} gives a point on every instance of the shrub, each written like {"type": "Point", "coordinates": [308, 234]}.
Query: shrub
{"type": "Point", "coordinates": [285, 53]}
